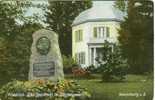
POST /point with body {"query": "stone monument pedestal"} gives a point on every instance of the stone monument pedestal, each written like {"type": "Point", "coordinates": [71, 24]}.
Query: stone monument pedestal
{"type": "Point", "coordinates": [45, 59]}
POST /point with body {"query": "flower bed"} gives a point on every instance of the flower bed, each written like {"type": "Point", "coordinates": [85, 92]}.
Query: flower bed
{"type": "Point", "coordinates": [43, 90]}
{"type": "Point", "coordinates": [80, 72]}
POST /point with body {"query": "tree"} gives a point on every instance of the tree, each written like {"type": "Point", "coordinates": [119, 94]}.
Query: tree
{"type": "Point", "coordinates": [112, 65]}
{"type": "Point", "coordinates": [11, 13]}
{"type": "Point", "coordinates": [68, 63]}
{"type": "Point", "coordinates": [121, 5]}
{"type": "Point", "coordinates": [60, 16]}
{"type": "Point", "coordinates": [136, 36]}
{"type": "Point", "coordinates": [15, 40]}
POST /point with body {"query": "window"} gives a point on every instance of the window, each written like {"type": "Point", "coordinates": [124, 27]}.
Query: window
{"type": "Point", "coordinates": [98, 32]}
{"type": "Point", "coordinates": [78, 35]}
{"type": "Point", "coordinates": [80, 58]}
{"type": "Point", "coordinates": [101, 32]}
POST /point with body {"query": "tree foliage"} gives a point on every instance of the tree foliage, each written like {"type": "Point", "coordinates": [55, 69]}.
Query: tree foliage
{"type": "Point", "coordinates": [12, 15]}
{"type": "Point", "coordinates": [136, 36]}
{"type": "Point", "coordinates": [15, 40]}
{"type": "Point", "coordinates": [112, 65]}
{"type": "Point", "coordinates": [60, 16]}
{"type": "Point", "coordinates": [68, 63]}
{"type": "Point", "coordinates": [121, 5]}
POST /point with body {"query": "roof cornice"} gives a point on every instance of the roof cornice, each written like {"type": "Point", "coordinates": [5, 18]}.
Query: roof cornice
{"type": "Point", "coordinates": [97, 20]}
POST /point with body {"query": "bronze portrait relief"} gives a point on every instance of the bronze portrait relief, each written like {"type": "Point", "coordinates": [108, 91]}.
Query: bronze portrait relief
{"type": "Point", "coordinates": [43, 45]}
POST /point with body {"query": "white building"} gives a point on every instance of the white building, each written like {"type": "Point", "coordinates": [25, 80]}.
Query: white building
{"type": "Point", "coordinates": [91, 28]}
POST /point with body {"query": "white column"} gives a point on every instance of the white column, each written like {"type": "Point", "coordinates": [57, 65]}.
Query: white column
{"type": "Point", "coordinates": [94, 56]}
{"type": "Point", "coordinates": [102, 32]}
{"type": "Point", "coordinates": [89, 55]}
{"type": "Point", "coordinates": [105, 32]}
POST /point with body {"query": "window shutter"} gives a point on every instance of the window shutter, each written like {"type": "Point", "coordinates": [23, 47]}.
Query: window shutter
{"type": "Point", "coordinates": [78, 35]}
{"type": "Point", "coordinates": [83, 58]}
{"type": "Point", "coordinates": [99, 31]}
{"type": "Point", "coordinates": [95, 32]}
{"type": "Point", "coordinates": [81, 35]}
{"type": "Point", "coordinates": [107, 32]}
{"type": "Point", "coordinates": [78, 58]}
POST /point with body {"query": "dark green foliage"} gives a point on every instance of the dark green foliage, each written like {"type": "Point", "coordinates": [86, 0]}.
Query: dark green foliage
{"type": "Point", "coordinates": [136, 36]}
{"type": "Point", "coordinates": [15, 41]}
{"type": "Point", "coordinates": [121, 5]}
{"type": "Point", "coordinates": [92, 69]}
{"type": "Point", "coordinates": [10, 12]}
{"type": "Point", "coordinates": [112, 65]}
{"type": "Point", "coordinates": [68, 63]}
{"type": "Point", "coordinates": [15, 54]}
{"type": "Point", "coordinates": [60, 16]}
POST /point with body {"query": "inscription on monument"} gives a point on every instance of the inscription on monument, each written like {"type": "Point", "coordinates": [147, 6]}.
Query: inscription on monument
{"type": "Point", "coordinates": [44, 69]}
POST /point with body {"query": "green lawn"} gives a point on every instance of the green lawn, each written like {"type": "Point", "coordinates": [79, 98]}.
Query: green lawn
{"type": "Point", "coordinates": [135, 84]}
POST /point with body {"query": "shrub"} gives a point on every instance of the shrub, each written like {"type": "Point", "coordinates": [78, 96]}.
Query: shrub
{"type": "Point", "coordinates": [42, 89]}
{"type": "Point", "coordinates": [92, 69]}
{"type": "Point", "coordinates": [68, 63]}
{"type": "Point", "coordinates": [112, 65]}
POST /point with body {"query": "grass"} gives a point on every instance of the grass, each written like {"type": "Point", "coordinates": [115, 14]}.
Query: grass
{"type": "Point", "coordinates": [135, 84]}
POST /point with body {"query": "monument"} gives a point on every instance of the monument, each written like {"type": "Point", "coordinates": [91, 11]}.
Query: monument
{"type": "Point", "coordinates": [45, 59]}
